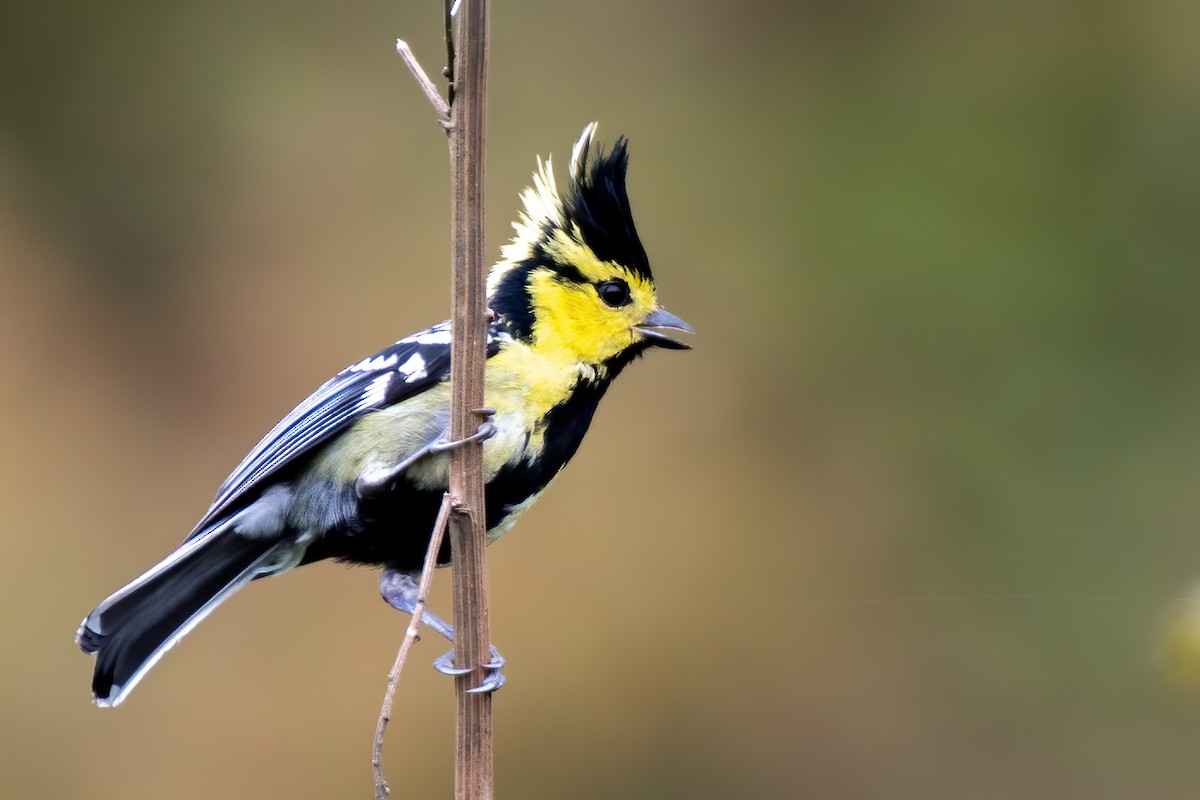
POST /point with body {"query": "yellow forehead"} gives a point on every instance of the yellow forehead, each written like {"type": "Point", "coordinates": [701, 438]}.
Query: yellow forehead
{"type": "Point", "coordinates": [567, 249]}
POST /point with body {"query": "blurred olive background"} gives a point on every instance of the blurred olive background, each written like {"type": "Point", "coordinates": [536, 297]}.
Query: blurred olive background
{"type": "Point", "coordinates": [907, 523]}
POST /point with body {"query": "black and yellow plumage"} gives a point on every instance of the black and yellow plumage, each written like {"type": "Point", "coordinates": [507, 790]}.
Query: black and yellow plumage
{"type": "Point", "coordinates": [356, 471]}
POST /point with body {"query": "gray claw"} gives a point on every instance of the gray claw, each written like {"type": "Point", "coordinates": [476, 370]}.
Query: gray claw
{"type": "Point", "coordinates": [494, 680]}
{"type": "Point", "coordinates": [496, 661]}
{"type": "Point", "coordinates": [491, 683]}
{"type": "Point", "coordinates": [445, 665]}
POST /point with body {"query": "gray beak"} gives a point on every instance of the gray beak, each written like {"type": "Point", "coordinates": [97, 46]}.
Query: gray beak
{"type": "Point", "coordinates": [662, 318]}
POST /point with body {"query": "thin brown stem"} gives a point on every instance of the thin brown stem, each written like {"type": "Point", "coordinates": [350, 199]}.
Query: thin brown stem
{"type": "Point", "coordinates": [410, 637]}
{"type": "Point", "coordinates": [462, 512]}
{"type": "Point", "coordinates": [474, 745]}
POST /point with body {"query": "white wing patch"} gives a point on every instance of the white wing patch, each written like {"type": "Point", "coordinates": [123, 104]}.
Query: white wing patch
{"type": "Point", "coordinates": [434, 336]}
{"type": "Point", "coordinates": [413, 369]}
{"type": "Point", "coordinates": [437, 334]}
{"type": "Point", "coordinates": [374, 363]}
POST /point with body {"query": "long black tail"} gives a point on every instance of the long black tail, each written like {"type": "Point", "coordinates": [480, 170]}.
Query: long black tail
{"type": "Point", "coordinates": [131, 630]}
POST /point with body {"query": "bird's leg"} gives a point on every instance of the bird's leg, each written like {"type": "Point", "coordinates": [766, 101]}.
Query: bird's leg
{"type": "Point", "coordinates": [487, 429]}
{"type": "Point", "coordinates": [376, 481]}
{"type": "Point", "coordinates": [400, 590]}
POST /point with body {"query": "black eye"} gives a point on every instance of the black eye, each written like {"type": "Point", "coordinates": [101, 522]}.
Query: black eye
{"type": "Point", "coordinates": [615, 292]}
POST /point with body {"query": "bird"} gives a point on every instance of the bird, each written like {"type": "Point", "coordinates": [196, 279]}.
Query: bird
{"type": "Point", "coordinates": [356, 472]}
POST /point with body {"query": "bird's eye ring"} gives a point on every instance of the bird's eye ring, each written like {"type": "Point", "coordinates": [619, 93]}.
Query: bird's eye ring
{"type": "Point", "coordinates": [614, 293]}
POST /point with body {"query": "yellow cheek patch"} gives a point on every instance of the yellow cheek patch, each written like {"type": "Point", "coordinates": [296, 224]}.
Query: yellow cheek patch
{"type": "Point", "coordinates": [571, 322]}
{"type": "Point", "coordinates": [572, 317]}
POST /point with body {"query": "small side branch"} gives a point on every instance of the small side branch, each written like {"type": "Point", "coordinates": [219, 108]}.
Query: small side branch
{"type": "Point", "coordinates": [440, 106]}
{"type": "Point", "coordinates": [410, 637]}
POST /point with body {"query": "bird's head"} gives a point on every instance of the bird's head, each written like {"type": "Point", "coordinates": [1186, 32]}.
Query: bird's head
{"type": "Point", "coordinates": [575, 281]}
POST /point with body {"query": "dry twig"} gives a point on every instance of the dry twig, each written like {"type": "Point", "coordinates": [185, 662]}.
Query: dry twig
{"type": "Point", "coordinates": [411, 636]}
{"type": "Point", "coordinates": [440, 106]}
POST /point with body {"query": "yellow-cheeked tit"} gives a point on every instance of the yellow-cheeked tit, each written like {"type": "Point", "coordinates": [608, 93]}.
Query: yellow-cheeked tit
{"type": "Point", "coordinates": [356, 472]}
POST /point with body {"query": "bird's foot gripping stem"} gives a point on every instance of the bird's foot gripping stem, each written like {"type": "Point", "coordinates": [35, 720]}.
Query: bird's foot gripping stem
{"type": "Point", "coordinates": [487, 429]}
{"type": "Point", "coordinates": [494, 680]}
{"type": "Point", "coordinates": [400, 590]}
{"type": "Point", "coordinates": [378, 481]}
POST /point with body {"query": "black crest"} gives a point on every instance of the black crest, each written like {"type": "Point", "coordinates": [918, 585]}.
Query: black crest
{"type": "Point", "coordinates": [598, 204]}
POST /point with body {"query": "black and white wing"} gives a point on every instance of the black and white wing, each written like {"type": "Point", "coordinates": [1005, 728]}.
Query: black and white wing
{"type": "Point", "coordinates": [394, 374]}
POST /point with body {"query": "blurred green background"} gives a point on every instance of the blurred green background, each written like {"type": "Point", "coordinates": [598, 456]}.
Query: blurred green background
{"type": "Point", "coordinates": [906, 524]}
